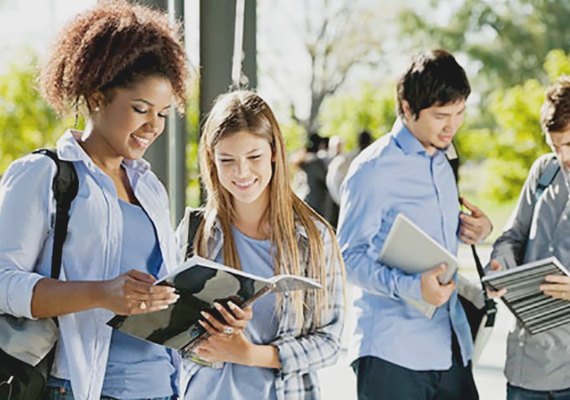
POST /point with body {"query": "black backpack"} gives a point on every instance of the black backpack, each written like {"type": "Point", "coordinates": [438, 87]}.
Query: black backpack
{"type": "Point", "coordinates": [195, 218]}
{"type": "Point", "coordinates": [19, 380]}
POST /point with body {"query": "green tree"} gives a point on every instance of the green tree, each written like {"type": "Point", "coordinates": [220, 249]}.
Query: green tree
{"type": "Point", "coordinates": [371, 108]}
{"type": "Point", "coordinates": [507, 40]}
{"type": "Point", "coordinates": [509, 148]}
{"type": "Point", "coordinates": [337, 37]}
{"type": "Point", "coordinates": [26, 121]}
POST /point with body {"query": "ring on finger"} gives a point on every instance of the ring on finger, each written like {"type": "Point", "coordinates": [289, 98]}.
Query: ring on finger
{"type": "Point", "coordinates": [228, 330]}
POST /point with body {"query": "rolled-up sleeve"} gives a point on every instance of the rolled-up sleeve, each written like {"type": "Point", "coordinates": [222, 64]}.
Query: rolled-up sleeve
{"type": "Point", "coordinates": [321, 347]}
{"type": "Point", "coordinates": [363, 204]}
{"type": "Point", "coordinates": [25, 204]}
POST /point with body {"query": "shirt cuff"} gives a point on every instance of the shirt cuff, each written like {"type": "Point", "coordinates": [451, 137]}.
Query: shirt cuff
{"type": "Point", "coordinates": [410, 286]}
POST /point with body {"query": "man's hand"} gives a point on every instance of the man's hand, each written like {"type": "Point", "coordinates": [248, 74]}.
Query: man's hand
{"type": "Point", "coordinates": [434, 292]}
{"type": "Point", "coordinates": [492, 294]}
{"type": "Point", "coordinates": [474, 227]}
{"type": "Point", "coordinates": [557, 286]}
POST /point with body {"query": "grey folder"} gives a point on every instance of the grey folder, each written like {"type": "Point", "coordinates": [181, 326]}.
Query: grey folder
{"type": "Point", "coordinates": [411, 250]}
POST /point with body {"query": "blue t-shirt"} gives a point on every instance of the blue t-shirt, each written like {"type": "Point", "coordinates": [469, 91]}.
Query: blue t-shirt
{"type": "Point", "coordinates": [136, 368]}
{"type": "Point", "coordinates": [235, 381]}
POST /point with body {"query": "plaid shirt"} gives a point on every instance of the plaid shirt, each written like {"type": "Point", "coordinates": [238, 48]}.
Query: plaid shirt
{"type": "Point", "coordinates": [302, 350]}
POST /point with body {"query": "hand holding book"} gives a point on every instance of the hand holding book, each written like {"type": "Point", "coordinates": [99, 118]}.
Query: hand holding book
{"type": "Point", "coordinates": [537, 309]}
{"type": "Point", "coordinates": [201, 283]}
{"type": "Point", "coordinates": [556, 286]}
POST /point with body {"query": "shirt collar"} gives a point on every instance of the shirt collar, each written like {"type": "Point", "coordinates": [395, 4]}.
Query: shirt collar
{"type": "Point", "coordinates": [406, 139]}
{"type": "Point", "coordinates": [68, 149]}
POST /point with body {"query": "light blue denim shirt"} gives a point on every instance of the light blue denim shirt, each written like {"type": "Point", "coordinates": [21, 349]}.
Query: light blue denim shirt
{"type": "Point", "coordinates": [92, 250]}
{"type": "Point", "coordinates": [396, 175]}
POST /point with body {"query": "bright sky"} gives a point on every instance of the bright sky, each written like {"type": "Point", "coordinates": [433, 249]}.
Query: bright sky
{"type": "Point", "coordinates": [32, 24]}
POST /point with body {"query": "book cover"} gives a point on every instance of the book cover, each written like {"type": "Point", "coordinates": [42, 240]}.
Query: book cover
{"type": "Point", "coordinates": [536, 311]}
{"type": "Point", "coordinates": [410, 249]}
{"type": "Point", "coordinates": [200, 283]}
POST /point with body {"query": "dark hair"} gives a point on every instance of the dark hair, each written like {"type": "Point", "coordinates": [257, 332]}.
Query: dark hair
{"type": "Point", "coordinates": [112, 45]}
{"type": "Point", "coordinates": [433, 78]}
{"type": "Point", "coordinates": [314, 142]}
{"type": "Point", "coordinates": [364, 139]}
{"type": "Point", "coordinates": [555, 112]}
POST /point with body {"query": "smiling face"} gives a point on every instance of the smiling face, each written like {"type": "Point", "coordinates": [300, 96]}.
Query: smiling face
{"type": "Point", "coordinates": [133, 118]}
{"type": "Point", "coordinates": [435, 126]}
{"type": "Point", "coordinates": [244, 167]}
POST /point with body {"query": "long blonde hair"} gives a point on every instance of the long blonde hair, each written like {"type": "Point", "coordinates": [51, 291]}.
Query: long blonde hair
{"type": "Point", "coordinates": [245, 111]}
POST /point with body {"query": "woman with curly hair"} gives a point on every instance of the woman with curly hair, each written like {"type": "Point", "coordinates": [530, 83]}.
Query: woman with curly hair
{"type": "Point", "coordinates": [253, 221]}
{"type": "Point", "coordinates": [124, 65]}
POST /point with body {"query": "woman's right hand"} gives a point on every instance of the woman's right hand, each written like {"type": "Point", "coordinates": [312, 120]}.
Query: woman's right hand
{"type": "Point", "coordinates": [134, 293]}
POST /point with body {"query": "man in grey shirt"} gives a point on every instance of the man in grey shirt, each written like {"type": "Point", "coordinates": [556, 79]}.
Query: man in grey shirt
{"type": "Point", "coordinates": [538, 366]}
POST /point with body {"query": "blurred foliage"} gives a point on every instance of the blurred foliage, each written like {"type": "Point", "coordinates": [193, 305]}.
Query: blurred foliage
{"type": "Point", "coordinates": [370, 108]}
{"type": "Point", "coordinates": [508, 149]}
{"type": "Point", "coordinates": [337, 37]}
{"type": "Point", "coordinates": [508, 39]}
{"type": "Point", "coordinates": [26, 120]}
{"type": "Point", "coordinates": [193, 190]}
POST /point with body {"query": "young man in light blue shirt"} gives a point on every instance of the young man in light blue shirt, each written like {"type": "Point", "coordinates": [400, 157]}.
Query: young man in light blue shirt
{"type": "Point", "coordinates": [399, 353]}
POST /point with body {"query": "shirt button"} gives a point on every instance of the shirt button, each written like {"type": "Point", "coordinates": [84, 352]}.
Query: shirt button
{"type": "Point", "coordinates": [564, 217]}
{"type": "Point", "coordinates": [521, 344]}
{"type": "Point", "coordinates": [550, 249]}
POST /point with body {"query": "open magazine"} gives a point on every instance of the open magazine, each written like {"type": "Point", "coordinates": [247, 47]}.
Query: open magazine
{"type": "Point", "coordinates": [536, 311]}
{"type": "Point", "coordinates": [410, 249]}
{"type": "Point", "coordinates": [200, 283]}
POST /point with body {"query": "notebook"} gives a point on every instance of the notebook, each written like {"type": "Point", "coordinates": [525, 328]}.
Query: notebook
{"type": "Point", "coordinates": [534, 310]}
{"type": "Point", "coordinates": [411, 250]}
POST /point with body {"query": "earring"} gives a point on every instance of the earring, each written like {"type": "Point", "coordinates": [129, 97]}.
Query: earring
{"type": "Point", "coordinates": [96, 109]}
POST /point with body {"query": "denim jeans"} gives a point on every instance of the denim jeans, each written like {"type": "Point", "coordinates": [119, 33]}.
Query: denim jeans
{"type": "Point", "coordinates": [60, 389]}
{"type": "Point", "coordinates": [518, 393]}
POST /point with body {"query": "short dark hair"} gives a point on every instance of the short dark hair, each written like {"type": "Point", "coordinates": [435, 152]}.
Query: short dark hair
{"type": "Point", "coordinates": [555, 112]}
{"type": "Point", "coordinates": [314, 142]}
{"type": "Point", "coordinates": [433, 78]}
{"type": "Point", "coordinates": [364, 139]}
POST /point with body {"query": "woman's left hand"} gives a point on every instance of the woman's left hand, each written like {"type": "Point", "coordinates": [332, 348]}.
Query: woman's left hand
{"type": "Point", "coordinates": [237, 319]}
{"type": "Point", "coordinates": [225, 344]}
{"type": "Point", "coordinates": [556, 286]}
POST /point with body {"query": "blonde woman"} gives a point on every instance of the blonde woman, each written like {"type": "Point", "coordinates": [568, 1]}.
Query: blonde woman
{"type": "Point", "coordinates": [254, 222]}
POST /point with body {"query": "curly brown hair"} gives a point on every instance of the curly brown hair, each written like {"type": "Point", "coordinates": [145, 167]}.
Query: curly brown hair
{"type": "Point", "coordinates": [113, 45]}
{"type": "Point", "coordinates": [555, 112]}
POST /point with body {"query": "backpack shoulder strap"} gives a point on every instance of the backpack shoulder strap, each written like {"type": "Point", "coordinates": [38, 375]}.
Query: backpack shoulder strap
{"type": "Point", "coordinates": [546, 177]}
{"type": "Point", "coordinates": [64, 186]}
{"type": "Point", "coordinates": [453, 159]}
{"type": "Point", "coordinates": [490, 306]}
{"type": "Point", "coordinates": [195, 218]}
